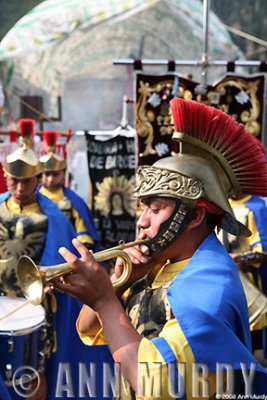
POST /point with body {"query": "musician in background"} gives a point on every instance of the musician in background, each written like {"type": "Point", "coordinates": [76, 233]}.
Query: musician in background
{"type": "Point", "coordinates": [72, 205]}
{"type": "Point", "coordinates": [184, 302]}
{"type": "Point", "coordinates": [31, 224]}
{"type": "Point", "coordinates": [250, 253]}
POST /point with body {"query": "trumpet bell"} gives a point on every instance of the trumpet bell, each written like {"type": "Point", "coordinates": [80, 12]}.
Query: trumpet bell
{"type": "Point", "coordinates": [34, 278]}
{"type": "Point", "coordinates": [30, 280]}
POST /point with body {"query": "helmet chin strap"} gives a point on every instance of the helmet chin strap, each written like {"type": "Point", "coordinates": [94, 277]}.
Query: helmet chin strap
{"type": "Point", "coordinates": [172, 228]}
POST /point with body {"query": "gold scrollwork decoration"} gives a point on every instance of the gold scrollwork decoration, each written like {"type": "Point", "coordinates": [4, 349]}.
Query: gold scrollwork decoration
{"type": "Point", "coordinates": [153, 181]}
{"type": "Point", "coordinates": [145, 117]}
{"type": "Point", "coordinates": [146, 131]}
{"type": "Point", "coordinates": [247, 117]}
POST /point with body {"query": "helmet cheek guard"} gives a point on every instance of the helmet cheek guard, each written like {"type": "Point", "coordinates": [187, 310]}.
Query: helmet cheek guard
{"type": "Point", "coordinates": [172, 228]}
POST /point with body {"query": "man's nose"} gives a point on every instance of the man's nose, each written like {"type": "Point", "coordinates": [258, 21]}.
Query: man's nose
{"type": "Point", "coordinates": [50, 178]}
{"type": "Point", "coordinates": [20, 185]}
{"type": "Point", "coordinates": [144, 220]}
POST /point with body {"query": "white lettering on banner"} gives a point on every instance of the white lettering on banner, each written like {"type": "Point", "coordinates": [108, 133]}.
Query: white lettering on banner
{"type": "Point", "coordinates": [110, 162]}
{"type": "Point", "coordinates": [130, 144]}
{"type": "Point", "coordinates": [126, 162]}
{"type": "Point", "coordinates": [96, 148]}
{"type": "Point", "coordinates": [96, 162]}
{"type": "Point", "coordinates": [102, 148]}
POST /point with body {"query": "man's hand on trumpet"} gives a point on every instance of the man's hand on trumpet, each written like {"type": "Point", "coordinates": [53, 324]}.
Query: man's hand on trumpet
{"type": "Point", "coordinates": [89, 281]}
{"type": "Point", "coordinates": [142, 263]}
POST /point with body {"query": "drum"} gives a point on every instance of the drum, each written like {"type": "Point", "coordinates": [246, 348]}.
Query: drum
{"type": "Point", "coordinates": [23, 339]}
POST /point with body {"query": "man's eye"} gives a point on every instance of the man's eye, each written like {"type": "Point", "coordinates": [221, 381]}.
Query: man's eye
{"type": "Point", "coordinates": [155, 210]}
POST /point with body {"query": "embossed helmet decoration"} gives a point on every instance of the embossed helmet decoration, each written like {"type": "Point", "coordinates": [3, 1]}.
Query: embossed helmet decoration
{"type": "Point", "coordinates": [218, 158]}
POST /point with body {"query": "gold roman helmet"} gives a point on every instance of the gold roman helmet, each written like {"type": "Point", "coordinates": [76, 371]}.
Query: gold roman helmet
{"type": "Point", "coordinates": [23, 163]}
{"type": "Point", "coordinates": [51, 161]}
{"type": "Point", "coordinates": [218, 158]}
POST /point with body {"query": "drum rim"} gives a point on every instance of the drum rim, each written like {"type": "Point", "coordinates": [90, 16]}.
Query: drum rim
{"type": "Point", "coordinates": [23, 332]}
{"type": "Point", "coordinates": [27, 330]}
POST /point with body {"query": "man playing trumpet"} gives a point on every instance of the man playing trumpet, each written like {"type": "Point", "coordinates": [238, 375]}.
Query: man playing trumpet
{"type": "Point", "coordinates": [184, 304]}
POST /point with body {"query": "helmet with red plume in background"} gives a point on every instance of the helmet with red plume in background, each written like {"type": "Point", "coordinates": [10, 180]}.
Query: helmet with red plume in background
{"type": "Point", "coordinates": [23, 162]}
{"type": "Point", "coordinates": [51, 161]}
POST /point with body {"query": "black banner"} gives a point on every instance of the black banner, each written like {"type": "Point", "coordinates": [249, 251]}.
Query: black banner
{"type": "Point", "coordinates": [112, 167]}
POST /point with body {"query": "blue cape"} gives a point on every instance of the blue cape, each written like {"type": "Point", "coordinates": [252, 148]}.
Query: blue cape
{"type": "Point", "coordinates": [85, 213]}
{"type": "Point", "coordinates": [208, 301]}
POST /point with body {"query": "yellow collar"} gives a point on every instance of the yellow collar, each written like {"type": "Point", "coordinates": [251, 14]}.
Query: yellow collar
{"type": "Point", "coordinates": [168, 272]}
{"type": "Point", "coordinates": [54, 195]}
{"type": "Point", "coordinates": [240, 202]}
{"type": "Point", "coordinates": [17, 209]}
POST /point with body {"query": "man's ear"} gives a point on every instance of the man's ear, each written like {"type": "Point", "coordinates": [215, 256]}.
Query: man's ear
{"type": "Point", "coordinates": [197, 217]}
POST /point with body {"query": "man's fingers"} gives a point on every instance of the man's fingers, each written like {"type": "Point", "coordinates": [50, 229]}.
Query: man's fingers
{"type": "Point", "coordinates": [63, 287]}
{"type": "Point", "coordinates": [144, 249]}
{"type": "Point", "coordinates": [58, 285]}
{"type": "Point", "coordinates": [67, 255]}
{"type": "Point", "coordinates": [137, 256]}
{"type": "Point", "coordinates": [84, 252]}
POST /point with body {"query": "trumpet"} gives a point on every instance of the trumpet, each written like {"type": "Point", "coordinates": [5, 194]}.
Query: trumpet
{"type": "Point", "coordinates": [33, 279]}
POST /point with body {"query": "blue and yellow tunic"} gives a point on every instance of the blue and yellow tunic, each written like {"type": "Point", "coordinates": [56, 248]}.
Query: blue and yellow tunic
{"type": "Point", "coordinates": [191, 312]}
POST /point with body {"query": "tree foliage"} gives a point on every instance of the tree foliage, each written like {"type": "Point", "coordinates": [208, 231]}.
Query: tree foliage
{"type": "Point", "coordinates": [249, 17]}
